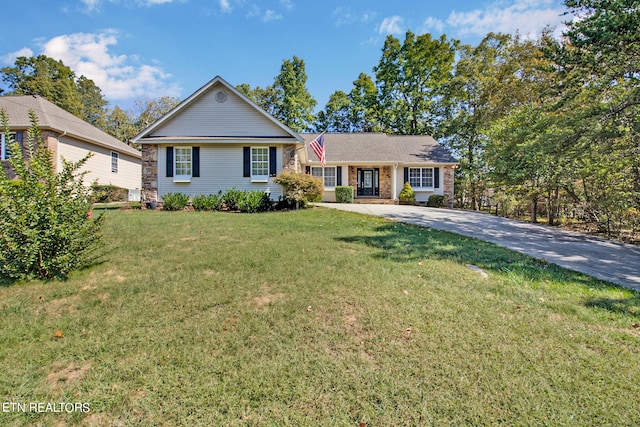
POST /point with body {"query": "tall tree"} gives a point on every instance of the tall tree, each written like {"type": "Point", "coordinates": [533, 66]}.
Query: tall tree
{"type": "Point", "coordinates": [120, 124]}
{"type": "Point", "coordinates": [150, 110]}
{"type": "Point", "coordinates": [411, 78]}
{"type": "Point", "coordinates": [336, 115]}
{"type": "Point", "coordinates": [295, 104]}
{"type": "Point", "coordinates": [54, 81]}
{"type": "Point", "coordinates": [365, 107]}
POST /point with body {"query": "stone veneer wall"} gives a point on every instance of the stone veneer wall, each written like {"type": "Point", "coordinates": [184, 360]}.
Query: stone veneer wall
{"type": "Point", "coordinates": [289, 158]}
{"type": "Point", "coordinates": [384, 180]}
{"type": "Point", "coordinates": [149, 173]}
{"type": "Point", "coordinates": [447, 185]}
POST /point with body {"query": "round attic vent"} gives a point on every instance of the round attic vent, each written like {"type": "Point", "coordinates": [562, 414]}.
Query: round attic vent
{"type": "Point", "coordinates": [221, 96]}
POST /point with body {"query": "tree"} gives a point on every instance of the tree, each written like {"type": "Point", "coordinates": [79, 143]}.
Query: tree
{"type": "Point", "coordinates": [121, 125]}
{"type": "Point", "coordinates": [365, 108]}
{"type": "Point", "coordinates": [148, 111]}
{"type": "Point", "coordinates": [46, 230]}
{"type": "Point", "coordinates": [54, 81]}
{"type": "Point", "coordinates": [336, 115]}
{"type": "Point", "coordinates": [411, 77]}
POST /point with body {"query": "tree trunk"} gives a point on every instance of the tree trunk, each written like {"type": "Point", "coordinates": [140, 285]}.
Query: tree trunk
{"type": "Point", "coordinates": [534, 210]}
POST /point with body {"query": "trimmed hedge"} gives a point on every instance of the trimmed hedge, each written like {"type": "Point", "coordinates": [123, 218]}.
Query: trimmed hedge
{"type": "Point", "coordinates": [436, 201]}
{"type": "Point", "coordinates": [109, 193]}
{"type": "Point", "coordinates": [344, 194]}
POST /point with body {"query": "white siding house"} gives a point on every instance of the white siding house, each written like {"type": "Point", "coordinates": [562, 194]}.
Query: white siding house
{"type": "Point", "coordinates": [215, 140]}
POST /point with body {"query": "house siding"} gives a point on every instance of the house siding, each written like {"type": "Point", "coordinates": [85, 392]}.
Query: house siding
{"type": "Point", "coordinates": [421, 195]}
{"type": "Point", "coordinates": [98, 167]}
{"type": "Point", "coordinates": [232, 118]}
{"type": "Point", "coordinates": [221, 168]}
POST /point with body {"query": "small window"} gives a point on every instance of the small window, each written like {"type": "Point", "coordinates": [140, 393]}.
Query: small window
{"type": "Point", "coordinates": [259, 163]}
{"type": "Point", "coordinates": [182, 164]}
{"type": "Point", "coordinates": [5, 151]}
{"type": "Point", "coordinates": [327, 174]}
{"type": "Point", "coordinates": [421, 177]}
{"type": "Point", "coordinates": [114, 162]}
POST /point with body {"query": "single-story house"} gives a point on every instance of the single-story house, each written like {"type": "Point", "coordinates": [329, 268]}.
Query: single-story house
{"type": "Point", "coordinates": [69, 137]}
{"type": "Point", "coordinates": [215, 140]}
{"type": "Point", "coordinates": [377, 165]}
{"type": "Point", "coordinates": [218, 139]}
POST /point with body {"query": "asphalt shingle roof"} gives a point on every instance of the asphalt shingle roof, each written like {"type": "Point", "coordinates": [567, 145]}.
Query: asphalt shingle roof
{"type": "Point", "coordinates": [52, 117]}
{"type": "Point", "coordinates": [380, 148]}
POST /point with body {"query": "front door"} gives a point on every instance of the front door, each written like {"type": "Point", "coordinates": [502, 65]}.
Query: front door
{"type": "Point", "coordinates": [368, 182]}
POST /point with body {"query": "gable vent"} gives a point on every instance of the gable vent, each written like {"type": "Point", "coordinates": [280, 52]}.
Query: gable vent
{"type": "Point", "coordinates": [221, 96]}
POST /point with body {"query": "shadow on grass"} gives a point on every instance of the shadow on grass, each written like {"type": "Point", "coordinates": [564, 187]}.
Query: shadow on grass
{"type": "Point", "coordinates": [411, 243]}
{"type": "Point", "coordinates": [627, 306]}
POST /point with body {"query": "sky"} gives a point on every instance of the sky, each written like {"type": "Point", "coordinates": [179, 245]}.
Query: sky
{"type": "Point", "coordinates": [145, 49]}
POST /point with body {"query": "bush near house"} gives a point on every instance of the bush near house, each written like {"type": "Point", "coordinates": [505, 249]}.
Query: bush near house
{"type": "Point", "coordinates": [300, 188]}
{"type": "Point", "coordinates": [109, 193]}
{"type": "Point", "coordinates": [344, 194]}
{"type": "Point", "coordinates": [47, 229]}
{"type": "Point", "coordinates": [207, 202]}
{"type": "Point", "coordinates": [436, 201]}
{"type": "Point", "coordinates": [175, 201]}
{"type": "Point", "coordinates": [407, 196]}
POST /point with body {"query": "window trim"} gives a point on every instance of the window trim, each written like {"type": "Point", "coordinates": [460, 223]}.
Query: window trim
{"type": "Point", "coordinates": [115, 156]}
{"type": "Point", "coordinates": [255, 177]}
{"type": "Point", "coordinates": [176, 176]}
{"type": "Point", "coordinates": [422, 177]}
{"type": "Point", "coordinates": [324, 178]}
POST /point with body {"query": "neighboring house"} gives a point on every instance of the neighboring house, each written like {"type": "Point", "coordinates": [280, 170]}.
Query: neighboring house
{"type": "Point", "coordinates": [218, 139]}
{"type": "Point", "coordinates": [215, 140]}
{"type": "Point", "coordinates": [69, 137]}
{"type": "Point", "coordinates": [377, 165]}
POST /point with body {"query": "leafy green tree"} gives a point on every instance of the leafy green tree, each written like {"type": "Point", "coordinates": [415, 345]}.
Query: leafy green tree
{"type": "Point", "coordinates": [411, 78]}
{"type": "Point", "coordinates": [148, 111]}
{"type": "Point", "coordinates": [336, 115]}
{"type": "Point", "coordinates": [295, 105]}
{"type": "Point", "coordinates": [46, 229]}
{"type": "Point", "coordinates": [365, 107]}
{"type": "Point", "coordinates": [120, 124]}
{"type": "Point", "coordinates": [54, 81]}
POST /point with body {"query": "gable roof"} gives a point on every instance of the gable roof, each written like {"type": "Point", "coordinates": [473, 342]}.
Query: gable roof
{"type": "Point", "coordinates": [52, 117]}
{"type": "Point", "coordinates": [379, 148]}
{"type": "Point", "coordinates": [202, 118]}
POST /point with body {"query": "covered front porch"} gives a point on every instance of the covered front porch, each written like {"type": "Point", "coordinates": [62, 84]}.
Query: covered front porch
{"type": "Point", "coordinates": [372, 183]}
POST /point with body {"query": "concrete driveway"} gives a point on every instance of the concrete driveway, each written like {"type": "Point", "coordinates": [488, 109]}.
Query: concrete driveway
{"type": "Point", "coordinates": [604, 259]}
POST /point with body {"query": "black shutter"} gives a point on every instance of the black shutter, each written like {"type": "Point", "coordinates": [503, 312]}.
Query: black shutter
{"type": "Point", "coordinates": [272, 161]}
{"type": "Point", "coordinates": [307, 170]}
{"type": "Point", "coordinates": [20, 139]}
{"type": "Point", "coordinates": [406, 175]}
{"type": "Point", "coordinates": [338, 175]}
{"type": "Point", "coordinates": [436, 177]}
{"type": "Point", "coordinates": [169, 162]}
{"type": "Point", "coordinates": [195, 158]}
{"type": "Point", "coordinates": [246, 164]}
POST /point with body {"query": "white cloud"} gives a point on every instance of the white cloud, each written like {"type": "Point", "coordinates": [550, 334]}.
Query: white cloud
{"type": "Point", "coordinates": [225, 6]}
{"type": "Point", "coordinates": [270, 15]}
{"type": "Point", "coordinates": [432, 23]}
{"type": "Point", "coordinates": [118, 76]}
{"type": "Point", "coordinates": [391, 25]}
{"type": "Point", "coordinates": [10, 58]}
{"type": "Point", "coordinates": [287, 4]}
{"type": "Point", "coordinates": [528, 17]}
{"type": "Point", "coordinates": [344, 16]}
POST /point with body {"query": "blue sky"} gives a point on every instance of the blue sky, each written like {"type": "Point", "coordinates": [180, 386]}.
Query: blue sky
{"type": "Point", "coordinates": [138, 49]}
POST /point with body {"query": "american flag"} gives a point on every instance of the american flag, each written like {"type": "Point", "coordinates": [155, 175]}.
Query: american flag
{"type": "Point", "coordinates": [317, 145]}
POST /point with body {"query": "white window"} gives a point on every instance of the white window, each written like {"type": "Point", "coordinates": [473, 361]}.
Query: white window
{"type": "Point", "coordinates": [259, 163]}
{"type": "Point", "coordinates": [328, 175]}
{"type": "Point", "coordinates": [182, 163]}
{"type": "Point", "coordinates": [421, 177]}
{"type": "Point", "coordinates": [114, 162]}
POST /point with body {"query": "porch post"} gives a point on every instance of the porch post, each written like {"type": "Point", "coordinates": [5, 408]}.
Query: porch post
{"type": "Point", "coordinates": [394, 182]}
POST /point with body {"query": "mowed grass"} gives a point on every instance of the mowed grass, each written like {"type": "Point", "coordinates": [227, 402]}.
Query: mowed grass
{"type": "Point", "coordinates": [317, 317]}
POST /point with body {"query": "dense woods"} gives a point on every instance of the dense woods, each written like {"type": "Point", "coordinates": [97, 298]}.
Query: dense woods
{"type": "Point", "coordinates": [546, 129]}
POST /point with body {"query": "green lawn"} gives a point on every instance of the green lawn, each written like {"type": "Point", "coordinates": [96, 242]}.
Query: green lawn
{"type": "Point", "coordinates": [316, 317]}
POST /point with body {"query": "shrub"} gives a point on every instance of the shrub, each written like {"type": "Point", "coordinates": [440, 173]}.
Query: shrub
{"type": "Point", "coordinates": [407, 196]}
{"type": "Point", "coordinates": [207, 202]}
{"type": "Point", "coordinates": [300, 188]}
{"type": "Point", "coordinates": [344, 194]}
{"type": "Point", "coordinates": [231, 199]}
{"type": "Point", "coordinates": [175, 201]}
{"type": "Point", "coordinates": [109, 193]}
{"type": "Point", "coordinates": [46, 226]}
{"type": "Point", "coordinates": [254, 201]}
{"type": "Point", "coordinates": [436, 201]}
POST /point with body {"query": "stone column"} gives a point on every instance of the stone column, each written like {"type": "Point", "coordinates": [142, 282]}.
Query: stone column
{"type": "Point", "coordinates": [447, 186]}
{"type": "Point", "coordinates": [149, 173]}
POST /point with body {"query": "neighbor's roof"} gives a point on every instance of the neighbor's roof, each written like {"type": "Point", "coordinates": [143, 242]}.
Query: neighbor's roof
{"type": "Point", "coordinates": [379, 148]}
{"type": "Point", "coordinates": [52, 117]}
